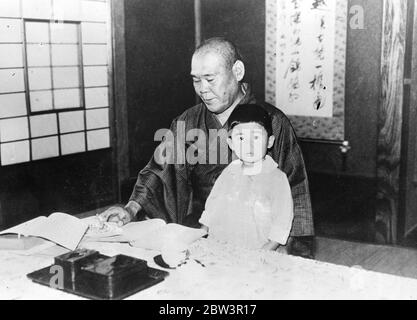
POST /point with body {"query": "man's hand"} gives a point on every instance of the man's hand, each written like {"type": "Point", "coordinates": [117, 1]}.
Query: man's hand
{"type": "Point", "coordinates": [118, 215]}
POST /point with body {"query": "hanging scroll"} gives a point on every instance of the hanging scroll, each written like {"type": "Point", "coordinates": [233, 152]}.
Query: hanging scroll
{"type": "Point", "coordinates": [305, 68]}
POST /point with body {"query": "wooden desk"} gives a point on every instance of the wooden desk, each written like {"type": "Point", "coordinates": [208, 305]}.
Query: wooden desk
{"type": "Point", "coordinates": [229, 273]}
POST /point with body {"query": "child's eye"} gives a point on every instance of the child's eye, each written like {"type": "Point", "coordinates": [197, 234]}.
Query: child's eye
{"type": "Point", "coordinates": [241, 138]}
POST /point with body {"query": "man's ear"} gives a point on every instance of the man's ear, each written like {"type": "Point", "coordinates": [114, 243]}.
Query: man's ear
{"type": "Point", "coordinates": [271, 141]}
{"type": "Point", "coordinates": [239, 70]}
{"type": "Point", "coordinates": [230, 144]}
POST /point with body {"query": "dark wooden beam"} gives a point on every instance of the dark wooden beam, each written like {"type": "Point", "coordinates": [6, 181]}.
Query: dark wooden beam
{"type": "Point", "coordinates": [120, 113]}
{"type": "Point", "coordinates": [407, 222]}
{"type": "Point", "coordinates": [198, 35]}
{"type": "Point", "coordinates": [413, 77]}
{"type": "Point", "coordinates": [390, 120]}
{"type": "Point", "coordinates": [197, 21]}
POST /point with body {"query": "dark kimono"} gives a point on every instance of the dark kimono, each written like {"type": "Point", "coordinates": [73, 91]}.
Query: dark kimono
{"type": "Point", "coordinates": [177, 192]}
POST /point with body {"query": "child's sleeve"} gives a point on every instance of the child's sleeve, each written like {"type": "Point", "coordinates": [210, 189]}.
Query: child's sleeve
{"type": "Point", "coordinates": [282, 210]}
{"type": "Point", "coordinates": [213, 204]}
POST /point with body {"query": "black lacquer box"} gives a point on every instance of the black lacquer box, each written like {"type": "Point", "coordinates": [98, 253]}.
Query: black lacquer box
{"type": "Point", "coordinates": [90, 274]}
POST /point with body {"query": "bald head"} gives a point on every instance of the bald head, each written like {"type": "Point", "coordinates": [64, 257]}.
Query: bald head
{"type": "Point", "coordinates": [217, 71]}
{"type": "Point", "coordinates": [224, 48]}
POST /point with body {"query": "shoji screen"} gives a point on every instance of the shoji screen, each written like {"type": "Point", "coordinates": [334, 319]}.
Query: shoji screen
{"type": "Point", "coordinates": [54, 67]}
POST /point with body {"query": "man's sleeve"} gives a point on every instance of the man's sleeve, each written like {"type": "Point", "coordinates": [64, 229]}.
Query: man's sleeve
{"type": "Point", "coordinates": [162, 187]}
{"type": "Point", "coordinates": [287, 153]}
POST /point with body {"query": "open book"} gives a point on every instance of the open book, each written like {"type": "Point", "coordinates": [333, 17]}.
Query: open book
{"type": "Point", "coordinates": [154, 234]}
{"type": "Point", "coordinates": [61, 228]}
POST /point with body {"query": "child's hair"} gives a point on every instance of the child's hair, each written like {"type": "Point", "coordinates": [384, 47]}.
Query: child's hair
{"type": "Point", "coordinates": [246, 113]}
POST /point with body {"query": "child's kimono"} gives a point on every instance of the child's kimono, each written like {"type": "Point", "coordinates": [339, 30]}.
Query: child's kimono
{"type": "Point", "coordinates": [248, 209]}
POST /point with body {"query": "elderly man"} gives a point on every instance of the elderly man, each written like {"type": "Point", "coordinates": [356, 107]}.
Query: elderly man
{"type": "Point", "coordinates": [176, 192]}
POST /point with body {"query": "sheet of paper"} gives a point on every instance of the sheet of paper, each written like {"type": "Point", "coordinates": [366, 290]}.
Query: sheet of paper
{"type": "Point", "coordinates": [171, 236]}
{"type": "Point", "coordinates": [153, 234]}
{"type": "Point", "coordinates": [97, 228]}
{"type": "Point", "coordinates": [63, 229]}
{"type": "Point", "coordinates": [130, 231]}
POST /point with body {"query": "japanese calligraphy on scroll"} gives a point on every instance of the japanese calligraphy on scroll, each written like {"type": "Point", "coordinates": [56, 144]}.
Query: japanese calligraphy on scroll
{"type": "Point", "coordinates": [306, 44]}
{"type": "Point", "coordinates": [305, 33]}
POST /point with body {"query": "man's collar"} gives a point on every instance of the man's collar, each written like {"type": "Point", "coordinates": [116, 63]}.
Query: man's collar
{"type": "Point", "coordinates": [224, 116]}
{"type": "Point", "coordinates": [248, 96]}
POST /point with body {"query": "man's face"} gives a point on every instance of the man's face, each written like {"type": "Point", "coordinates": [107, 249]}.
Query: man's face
{"type": "Point", "coordinates": [250, 142]}
{"type": "Point", "coordinates": [216, 84]}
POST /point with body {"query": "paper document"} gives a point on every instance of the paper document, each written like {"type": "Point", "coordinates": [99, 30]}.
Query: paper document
{"type": "Point", "coordinates": [153, 234]}
{"type": "Point", "coordinates": [61, 228]}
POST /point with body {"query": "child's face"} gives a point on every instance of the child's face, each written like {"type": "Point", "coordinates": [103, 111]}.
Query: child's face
{"type": "Point", "coordinates": [250, 142]}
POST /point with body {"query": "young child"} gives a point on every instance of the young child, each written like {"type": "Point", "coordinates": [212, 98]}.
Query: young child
{"type": "Point", "coordinates": [250, 204]}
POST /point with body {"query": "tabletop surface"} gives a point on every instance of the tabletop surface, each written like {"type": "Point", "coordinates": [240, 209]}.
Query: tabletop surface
{"type": "Point", "coordinates": [228, 273]}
